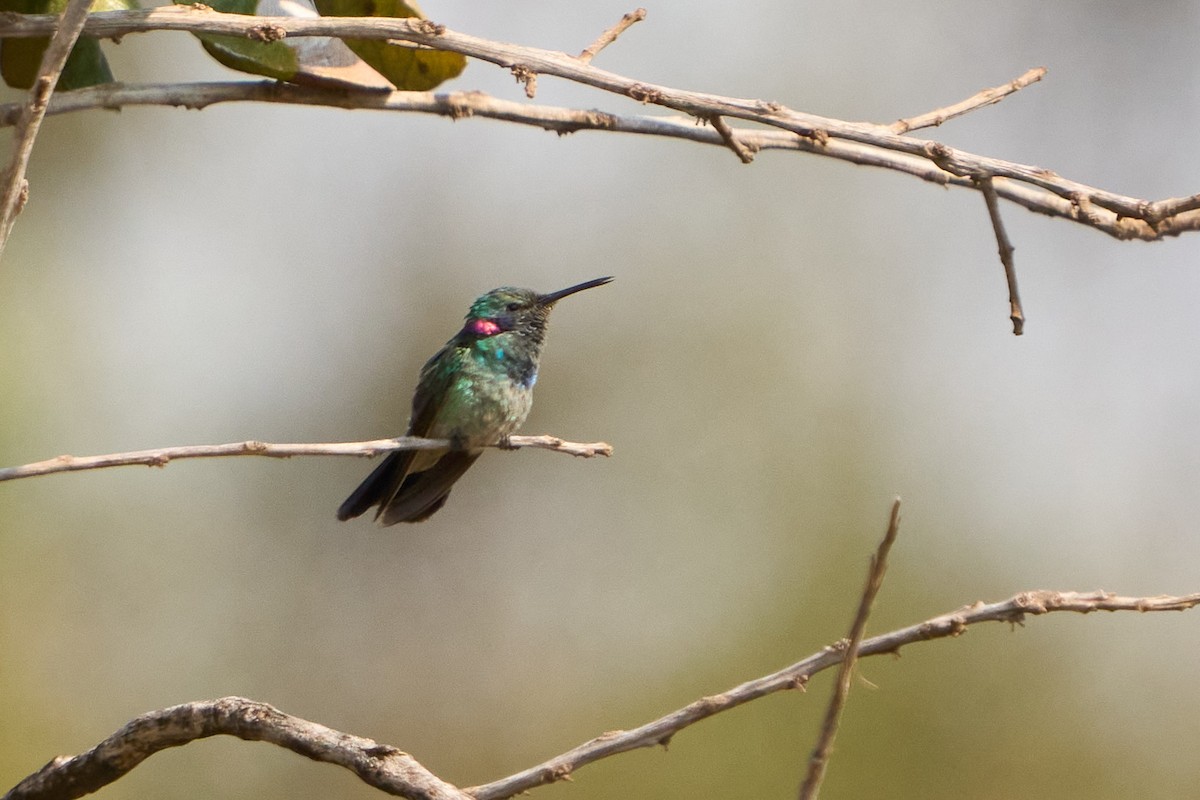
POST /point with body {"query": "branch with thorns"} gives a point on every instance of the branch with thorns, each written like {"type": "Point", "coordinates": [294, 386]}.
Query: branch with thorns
{"type": "Point", "coordinates": [887, 146]}
{"type": "Point", "coordinates": [396, 772]}
{"type": "Point", "coordinates": [30, 114]}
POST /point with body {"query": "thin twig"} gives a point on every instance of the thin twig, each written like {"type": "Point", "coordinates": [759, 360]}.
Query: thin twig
{"type": "Point", "coordinates": [1013, 611]}
{"type": "Point", "coordinates": [610, 35]}
{"type": "Point", "coordinates": [54, 59]}
{"type": "Point", "coordinates": [987, 97]}
{"type": "Point", "coordinates": [396, 772]}
{"type": "Point", "coordinates": [1016, 314]}
{"type": "Point", "coordinates": [819, 759]}
{"type": "Point", "coordinates": [730, 138]}
{"type": "Point", "coordinates": [160, 457]}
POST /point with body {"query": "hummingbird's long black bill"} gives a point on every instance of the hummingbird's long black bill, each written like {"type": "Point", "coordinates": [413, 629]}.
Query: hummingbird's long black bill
{"type": "Point", "coordinates": [554, 297]}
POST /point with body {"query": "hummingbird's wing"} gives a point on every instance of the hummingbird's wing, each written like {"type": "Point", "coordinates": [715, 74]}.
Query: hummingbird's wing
{"type": "Point", "coordinates": [437, 378]}
{"type": "Point", "coordinates": [386, 479]}
{"type": "Point", "coordinates": [428, 474]}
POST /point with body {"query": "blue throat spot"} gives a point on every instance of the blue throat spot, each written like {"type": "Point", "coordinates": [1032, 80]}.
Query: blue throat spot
{"type": "Point", "coordinates": [499, 354]}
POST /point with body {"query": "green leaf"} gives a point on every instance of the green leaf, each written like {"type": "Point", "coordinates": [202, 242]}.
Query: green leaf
{"type": "Point", "coordinates": [20, 59]}
{"type": "Point", "coordinates": [312, 60]}
{"type": "Point", "coordinates": [408, 68]}
{"type": "Point", "coordinates": [86, 66]}
{"type": "Point", "coordinates": [272, 59]}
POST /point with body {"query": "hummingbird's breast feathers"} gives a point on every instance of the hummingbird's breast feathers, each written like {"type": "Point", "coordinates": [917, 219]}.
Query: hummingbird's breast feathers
{"type": "Point", "coordinates": [480, 391]}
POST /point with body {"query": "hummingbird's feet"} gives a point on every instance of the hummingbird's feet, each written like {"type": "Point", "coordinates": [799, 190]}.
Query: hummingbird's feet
{"type": "Point", "coordinates": [505, 443]}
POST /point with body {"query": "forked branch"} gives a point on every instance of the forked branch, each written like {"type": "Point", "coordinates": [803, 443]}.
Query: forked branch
{"type": "Point", "coordinates": [1005, 248]}
{"type": "Point", "coordinates": [874, 144]}
{"type": "Point", "coordinates": [28, 121]}
{"type": "Point", "coordinates": [398, 773]}
{"type": "Point", "coordinates": [776, 126]}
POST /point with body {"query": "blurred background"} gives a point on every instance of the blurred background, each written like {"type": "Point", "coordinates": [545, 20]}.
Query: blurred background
{"type": "Point", "coordinates": [787, 346]}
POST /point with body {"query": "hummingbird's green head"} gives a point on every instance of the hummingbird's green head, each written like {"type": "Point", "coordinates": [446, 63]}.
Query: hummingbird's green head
{"type": "Point", "coordinates": [522, 310]}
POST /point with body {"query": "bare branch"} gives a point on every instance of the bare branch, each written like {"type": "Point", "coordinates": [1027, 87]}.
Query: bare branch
{"type": "Point", "coordinates": [459, 105]}
{"type": "Point", "coordinates": [396, 772]}
{"type": "Point", "coordinates": [1034, 188]}
{"type": "Point", "coordinates": [1015, 313]}
{"type": "Point", "coordinates": [610, 35]}
{"type": "Point", "coordinates": [986, 97]}
{"type": "Point", "coordinates": [731, 138]}
{"type": "Point", "coordinates": [660, 731]}
{"type": "Point", "coordinates": [33, 111]}
{"type": "Point", "coordinates": [160, 457]}
{"type": "Point", "coordinates": [841, 686]}
{"type": "Point", "coordinates": [378, 765]}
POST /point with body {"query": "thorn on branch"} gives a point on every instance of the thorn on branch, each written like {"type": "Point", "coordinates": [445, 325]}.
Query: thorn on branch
{"type": "Point", "coordinates": [942, 156]}
{"type": "Point", "coordinates": [458, 105]}
{"type": "Point", "coordinates": [561, 772]}
{"type": "Point", "coordinates": [644, 94]}
{"type": "Point", "coordinates": [266, 33]}
{"type": "Point", "coordinates": [525, 75]}
{"type": "Point", "coordinates": [428, 27]}
{"type": "Point", "coordinates": [819, 137]}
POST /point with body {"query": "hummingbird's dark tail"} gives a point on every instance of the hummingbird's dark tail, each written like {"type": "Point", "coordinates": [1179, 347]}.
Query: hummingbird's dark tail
{"type": "Point", "coordinates": [378, 486]}
{"type": "Point", "coordinates": [411, 497]}
{"type": "Point", "coordinates": [423, 493]}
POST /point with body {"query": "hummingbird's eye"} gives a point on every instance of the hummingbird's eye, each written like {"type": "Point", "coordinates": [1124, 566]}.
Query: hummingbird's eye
{"type": "Point", "coordinates": [513, 306]}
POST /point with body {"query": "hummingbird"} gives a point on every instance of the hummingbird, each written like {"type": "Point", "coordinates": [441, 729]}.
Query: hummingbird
{"type": "Point", "coordinates": [475, 391]}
